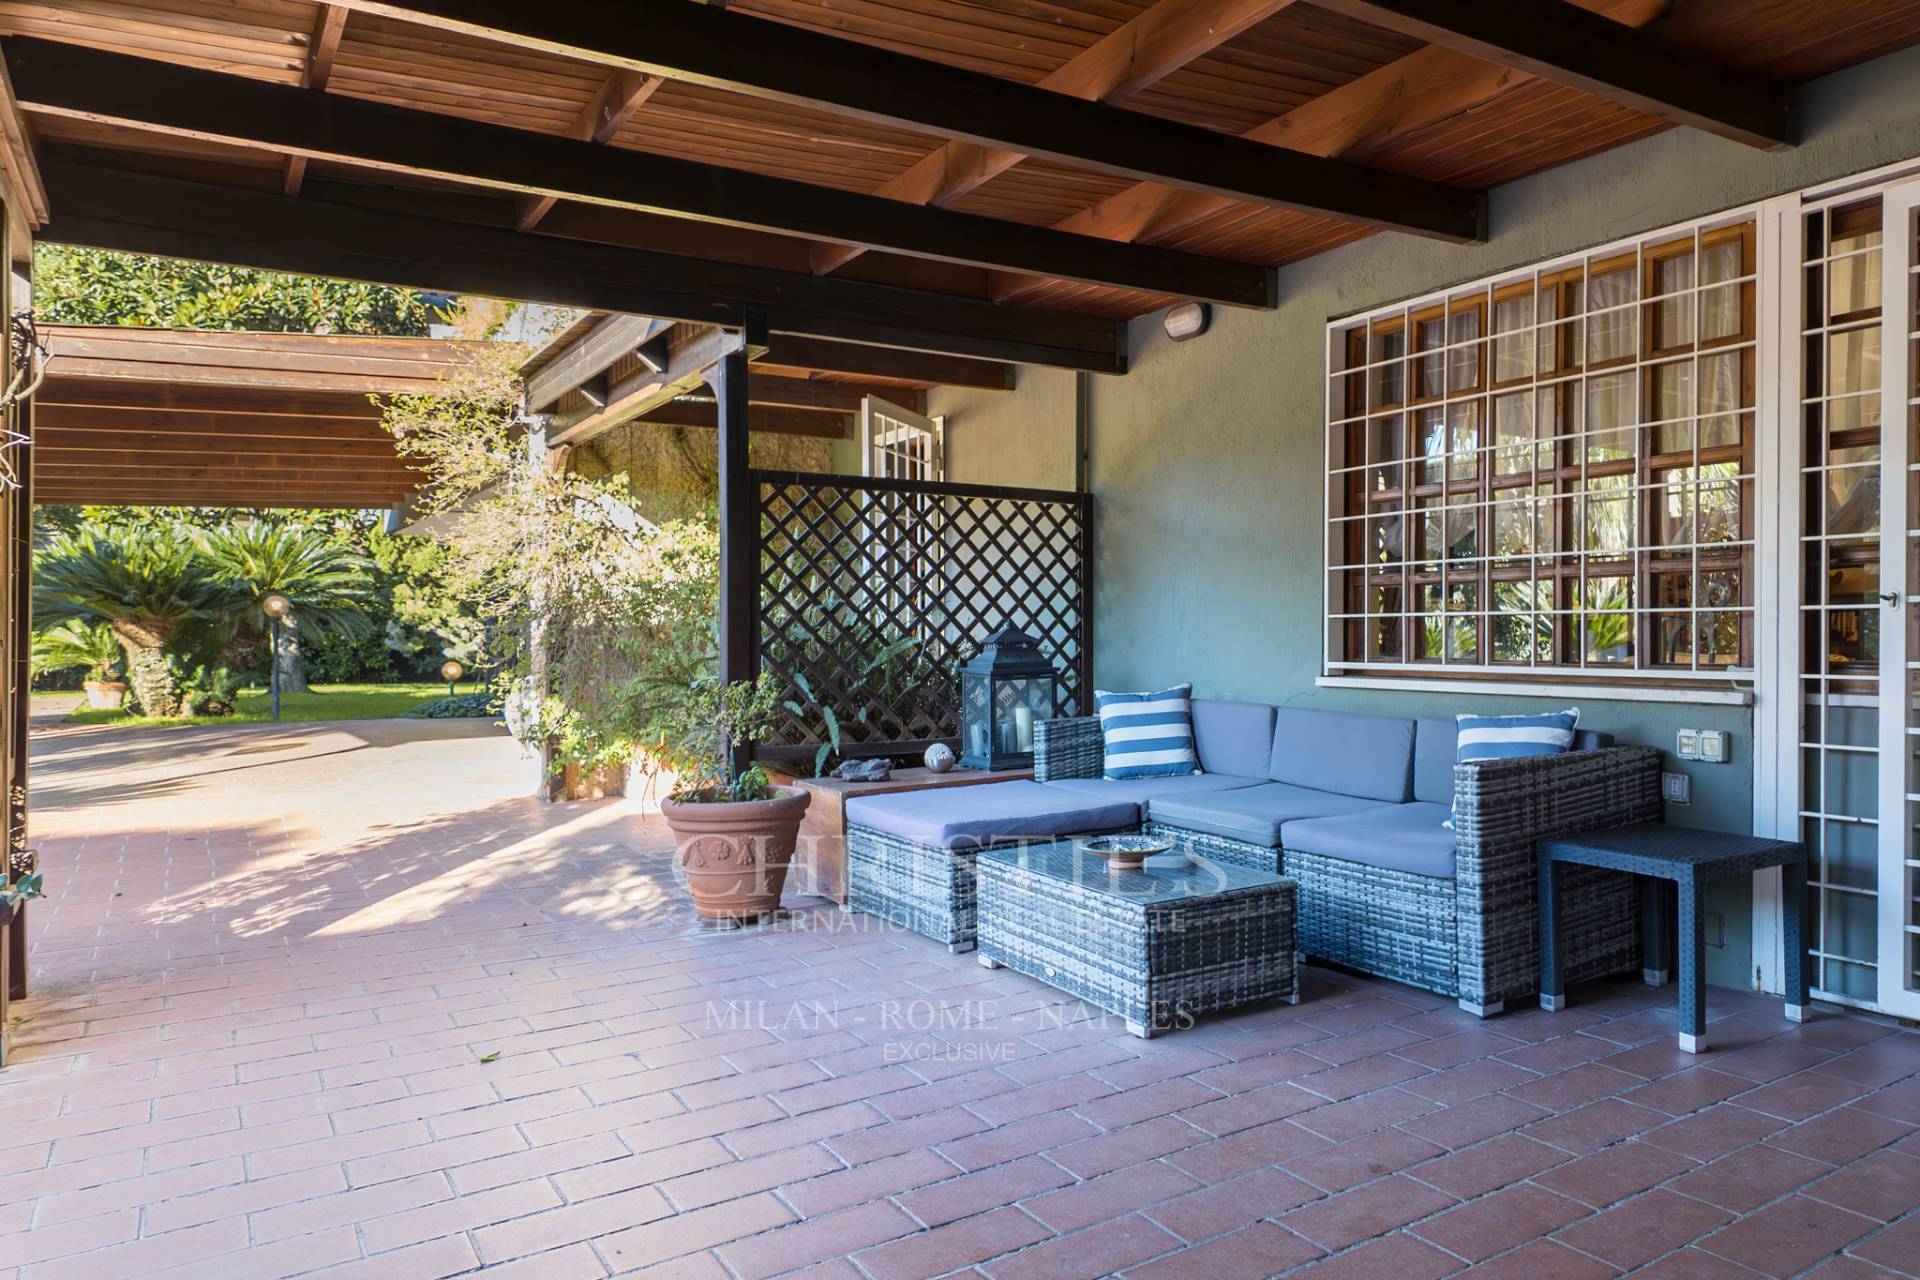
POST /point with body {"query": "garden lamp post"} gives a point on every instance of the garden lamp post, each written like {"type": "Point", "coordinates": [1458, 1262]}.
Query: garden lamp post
{"type": "Point", "coordinates": [279, 610]}
{"type": "Point", "coordinates": [451, 671]}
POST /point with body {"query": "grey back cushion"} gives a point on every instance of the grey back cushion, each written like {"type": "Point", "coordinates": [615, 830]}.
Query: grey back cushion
{"type": "Point", "coordinates": [1233, 737]}
{"type": "Point", "coordinates": [1436, 741]}
{"type": "Point", "coordinates": [1342, 751]}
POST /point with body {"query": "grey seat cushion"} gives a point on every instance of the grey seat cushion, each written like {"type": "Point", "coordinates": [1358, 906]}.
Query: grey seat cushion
{"type": "Point", "coordinates": [1253, 814]}
{"type": "Point", "coordinates": [1141, 790]}
{"type": "Point", "coordinates": [1233, 737]}
{"type": "Point", "coordinates": [1436, 743]}
{"type": "Point", "coordinates": [1398, 837]}
{"type": "Point", "coordinates": [1344, 752]}
{"type": "Point", "coordinates": [997, 813]}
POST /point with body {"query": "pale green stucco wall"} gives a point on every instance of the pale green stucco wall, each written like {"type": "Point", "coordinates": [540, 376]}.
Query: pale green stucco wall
{"type": "Point", "coordinates": [1206, 458]}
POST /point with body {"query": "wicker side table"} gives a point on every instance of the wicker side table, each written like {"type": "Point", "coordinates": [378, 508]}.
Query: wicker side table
{"type": "Point", "coordinates": [1690, 859]}
{"type": "Point", "coordinates": [1155, 946]}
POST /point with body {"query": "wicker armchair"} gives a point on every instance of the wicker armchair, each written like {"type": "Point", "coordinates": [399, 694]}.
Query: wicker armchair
{"type": "Point", "coordinates": [1476, 936]}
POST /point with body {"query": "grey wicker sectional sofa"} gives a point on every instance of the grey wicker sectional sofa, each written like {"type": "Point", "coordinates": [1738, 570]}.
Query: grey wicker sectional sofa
{"type": "Point", "coordinates": [1350, 806]}
{"type": "Point", "coordinates": [1353, 808]}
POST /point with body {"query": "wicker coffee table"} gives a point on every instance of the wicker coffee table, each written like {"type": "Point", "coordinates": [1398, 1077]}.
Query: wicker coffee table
{"type": "Point", "coordinates": [1155, 946]}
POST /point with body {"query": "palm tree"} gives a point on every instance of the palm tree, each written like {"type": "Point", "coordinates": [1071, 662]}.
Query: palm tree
{"type": "Point", "coordinates": [328, 585]}
{"type": "Point", "coordinates": [77, 643]}
{"type": "Point", "coordinates": [148, 585]}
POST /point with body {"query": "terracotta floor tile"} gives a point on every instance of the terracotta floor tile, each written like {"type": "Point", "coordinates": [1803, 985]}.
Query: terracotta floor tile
{"type": "Point", "coordinates": [1788, 1236]}
{"type": "Point", "coordinates": [1490, 1165]}
{"type": "Point", "coordinates": [1362, 1159]}
{"type": "Point", "coordinates": [1884, 1185]}
{"type": "Point", "coordinates": [1615, 1173]}
{"type": "Point", "coordinates": [1500, 1221]}
{"type": "Point", "coordinates": [1366, 1211]}
{"type": "Point", "coordinates": [264, 1058]}
{"type": "Point", "coordinates": [1749, 1178]}
{"type": "Point", "coordinates": [1211, 1211]}
{"type": "Point", "coordinates": [1251, 1253]}
{"type": "Point", "coordinates": [1637, 1231]}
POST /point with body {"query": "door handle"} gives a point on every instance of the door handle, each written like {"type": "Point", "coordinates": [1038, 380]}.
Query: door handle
{"type": "Point", "coordinates": [1890, 598]}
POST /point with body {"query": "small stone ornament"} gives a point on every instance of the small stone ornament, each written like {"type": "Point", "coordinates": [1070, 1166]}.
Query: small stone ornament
{"type": "Point", "coordinates": [865, 770]}
{"type": "Point", "coordinates": [939, 757]}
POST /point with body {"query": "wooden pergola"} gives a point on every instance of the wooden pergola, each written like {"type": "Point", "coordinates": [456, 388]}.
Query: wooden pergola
{"type": "Point", "coordinates": [149, 417]}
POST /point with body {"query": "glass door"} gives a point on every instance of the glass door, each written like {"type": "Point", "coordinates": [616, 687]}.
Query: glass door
{"type": "Point", "coordinates": [1859, 740]}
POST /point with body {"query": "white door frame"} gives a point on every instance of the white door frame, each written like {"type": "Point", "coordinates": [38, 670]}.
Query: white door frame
{"type": "Point", "coordinates": [1778, 798]}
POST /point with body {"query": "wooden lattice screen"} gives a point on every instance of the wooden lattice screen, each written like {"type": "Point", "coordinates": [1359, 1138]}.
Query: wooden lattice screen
{"type": "Point", "coordinates": [877, 591]}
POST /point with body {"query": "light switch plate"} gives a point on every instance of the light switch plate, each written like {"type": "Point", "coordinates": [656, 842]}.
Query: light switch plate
{"type": "Point", "coordinates": [1676, 788]}
{"type": "Point", "coordinates": [1688, 745]}
{"type": "Point", "coordinates": [1713, 746]}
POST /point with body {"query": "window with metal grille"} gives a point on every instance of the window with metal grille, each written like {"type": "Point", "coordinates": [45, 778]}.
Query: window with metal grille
{"type": "Point", "coordinates": [1550, 472]}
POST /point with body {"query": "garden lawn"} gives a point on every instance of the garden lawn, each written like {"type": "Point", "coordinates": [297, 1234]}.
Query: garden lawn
{"type": "Point", "coordinates": [325, 702]}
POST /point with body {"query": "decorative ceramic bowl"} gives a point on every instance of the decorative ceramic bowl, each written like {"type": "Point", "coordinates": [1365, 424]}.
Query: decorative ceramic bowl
{"type": "Point", "coordinates": [1124, 851]}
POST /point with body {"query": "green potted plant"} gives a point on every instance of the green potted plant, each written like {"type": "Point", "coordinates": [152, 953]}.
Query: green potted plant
{"type": "Point", "coordinates": [734, 831]}
{"type": "Point", "coordinates": [92, 645]}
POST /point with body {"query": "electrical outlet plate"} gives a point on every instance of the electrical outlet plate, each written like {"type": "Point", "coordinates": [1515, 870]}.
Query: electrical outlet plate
{"type": "Point", "coordinates": [1676, 788]}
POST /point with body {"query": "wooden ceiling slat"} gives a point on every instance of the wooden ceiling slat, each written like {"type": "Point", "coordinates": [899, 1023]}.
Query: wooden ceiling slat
{"type": "Point", "coordinates": [711, 45]}
{"type": "Point", "coordinates": [62, 79]}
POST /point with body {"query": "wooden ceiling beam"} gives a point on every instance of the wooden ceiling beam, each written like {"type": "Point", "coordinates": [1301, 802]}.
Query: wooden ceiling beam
{"type": "Point", "coordinates": [171, 429]}
{"type": "Point", "coordinates": [818, 395]}
{"type": "Point", "coordinates": [744, 54]}
{"type": "Point", "coordinates": [633, 395]}
{"type": "Point", "coordinates": [219, 471]}
{"type": "Point", "coordinates": [21, 185]}
{"type": "Point", "coordinates": [620, 95]}
{"type": "Point", "coordinates": [613, 339]}
{"type": "Point", "coordinates": [141, 93]}
{"type": "Point", "coordinates": [198, 496]}
{"type": "Point", "coordinates": [1564, 43]}
{"type": "Point", "coordinates": [790, 351]}
{"type": "Point", "coordinates": [329, 24]}
{"type": "Point", "coordinates": [1422, 88]}
{"type": "Point", "coordinates": [138, 213]}
{"type": "Point", "coordinates": [201, 398]}
{"type": "Point", "coordinates": [107, 451]}
{"type": "Point", "coordinates": [760, 418]}
{"type": "Point", "coordinates": [1147, 48]}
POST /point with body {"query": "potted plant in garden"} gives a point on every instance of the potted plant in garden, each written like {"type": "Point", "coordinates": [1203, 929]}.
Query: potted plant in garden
{"type": "Point", "coordinates": [91, 645]}
{"type": "Point", "coordinates": [734, 831]}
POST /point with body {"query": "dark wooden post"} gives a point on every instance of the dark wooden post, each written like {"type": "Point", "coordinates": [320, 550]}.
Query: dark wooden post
{"type": "Point", "coordinates": [16, 680]}
{"type": "Point", "coordinates": [739, 531]}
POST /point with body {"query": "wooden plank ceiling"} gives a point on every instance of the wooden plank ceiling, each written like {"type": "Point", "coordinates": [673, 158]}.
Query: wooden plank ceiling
{"type": "Point", "coordinates": [148, 417]}
{"type": "Point", "coordinates": [1409, 107]}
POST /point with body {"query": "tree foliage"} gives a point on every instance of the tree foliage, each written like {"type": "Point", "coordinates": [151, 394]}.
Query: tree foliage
{"type": "Point", "coordinates": [600, 622]}
{"type": "Point", "coordinates": [97, 286]}
{"type": "Point", "coordinates": [149, 585]}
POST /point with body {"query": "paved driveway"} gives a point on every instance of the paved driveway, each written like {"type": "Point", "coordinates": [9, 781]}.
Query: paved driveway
{"type": "Point", "coordinates": [334, 1000]}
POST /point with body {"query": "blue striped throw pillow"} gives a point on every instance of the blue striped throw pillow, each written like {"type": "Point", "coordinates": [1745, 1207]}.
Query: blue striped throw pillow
{"type": "Point", "coordinates": [1148, 735]}
{"type": "Point", "coordinates": [1508, 737]}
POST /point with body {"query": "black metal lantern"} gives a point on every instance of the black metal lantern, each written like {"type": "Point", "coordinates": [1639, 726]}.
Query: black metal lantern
{"type": "Point", "coordinates": [1004, 692]}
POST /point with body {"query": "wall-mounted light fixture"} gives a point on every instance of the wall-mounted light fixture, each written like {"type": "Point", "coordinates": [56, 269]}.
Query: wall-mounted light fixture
{"type": "Point", "coordinates": [1188, 320]}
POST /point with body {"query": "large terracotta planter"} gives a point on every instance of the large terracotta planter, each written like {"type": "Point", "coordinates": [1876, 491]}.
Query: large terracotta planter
{"type": "Point", "coordinates": [735, 854]}
{"type": "Point", "coordinates": [106, 695]}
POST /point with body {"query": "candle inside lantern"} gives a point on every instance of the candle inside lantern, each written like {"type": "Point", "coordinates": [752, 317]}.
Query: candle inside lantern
{"type": "Point", "coordinates": [1023, 728]}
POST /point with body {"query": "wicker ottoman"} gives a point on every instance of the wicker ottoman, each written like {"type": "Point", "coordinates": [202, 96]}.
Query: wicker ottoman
{"type": "Point", "coordinates": [1157, 946]}
{"type": "Point", "coordinates": [910, 857]}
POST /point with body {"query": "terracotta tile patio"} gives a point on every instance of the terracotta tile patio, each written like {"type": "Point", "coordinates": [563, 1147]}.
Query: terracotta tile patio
{"type": "Point", "coordinates": [332, 1000]}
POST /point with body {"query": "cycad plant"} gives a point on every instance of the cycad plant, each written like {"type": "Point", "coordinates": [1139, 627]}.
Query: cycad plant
{"type": "Point", "coordinates": [328, 585]}
{"type": "Point", "coordinates": [78, 643]}
{"type": "Point", "coordinates": [147, 585]}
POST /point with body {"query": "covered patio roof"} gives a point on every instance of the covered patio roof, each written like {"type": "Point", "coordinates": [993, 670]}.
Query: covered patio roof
{"type": "Point", "coordinates": [157, 417]}
{"type": "Point", "coordinates": [994, 180]}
